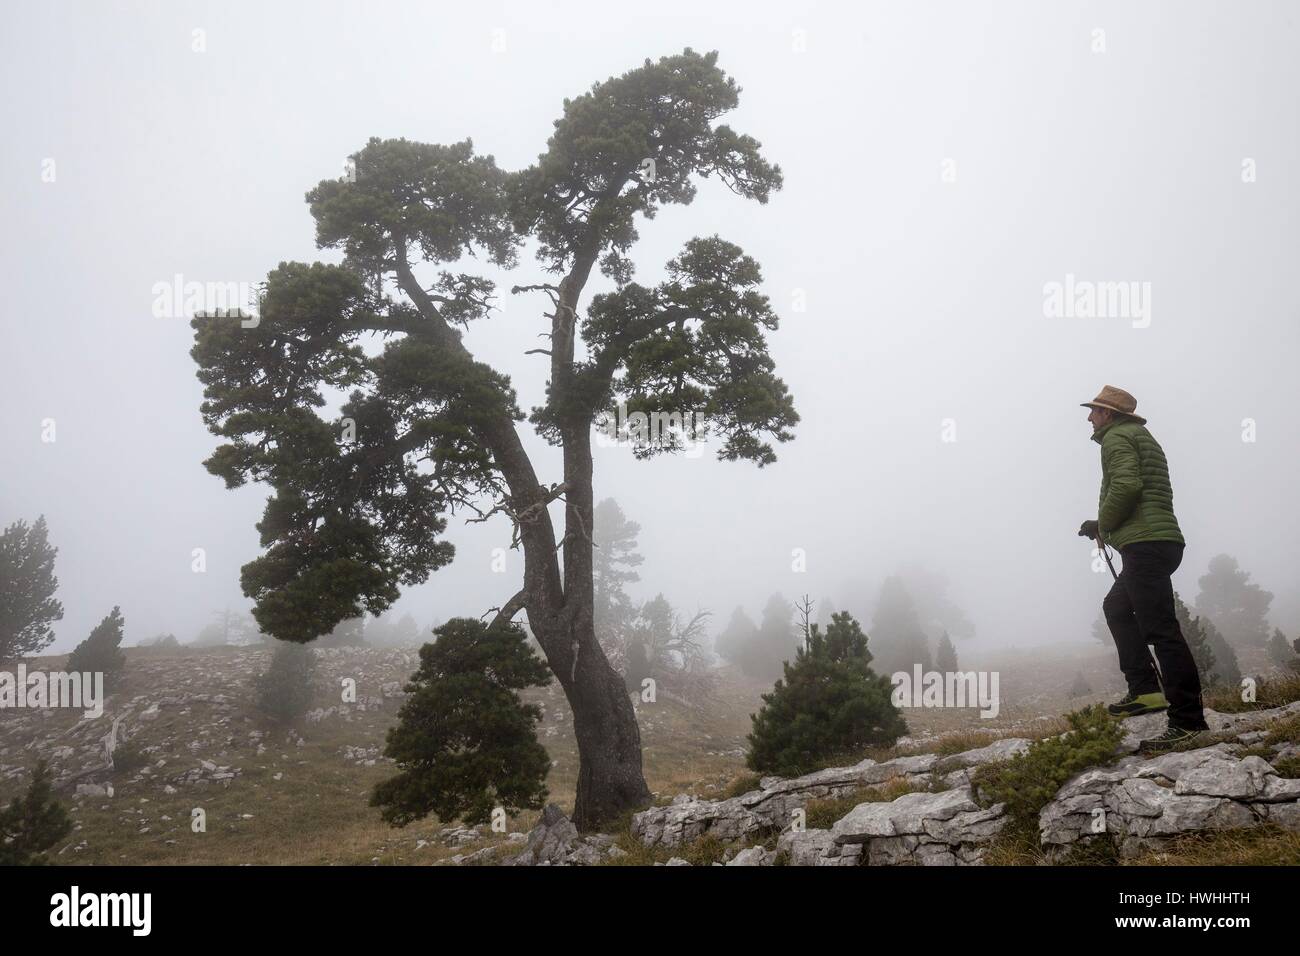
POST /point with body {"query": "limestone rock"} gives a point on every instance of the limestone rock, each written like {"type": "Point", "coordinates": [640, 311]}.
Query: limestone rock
{"type": "Point", "coordinates": [932, 829]}
{"type": "Point", "coordinates": [1141, 802]}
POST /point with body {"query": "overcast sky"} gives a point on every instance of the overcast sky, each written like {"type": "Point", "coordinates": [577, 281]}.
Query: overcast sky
{"type": "Point", "coordinates": [943, 162]}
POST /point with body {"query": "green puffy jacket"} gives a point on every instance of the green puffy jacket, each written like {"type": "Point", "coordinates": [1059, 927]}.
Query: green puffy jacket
{"type": "Point", "coordinates": [1137, 500]}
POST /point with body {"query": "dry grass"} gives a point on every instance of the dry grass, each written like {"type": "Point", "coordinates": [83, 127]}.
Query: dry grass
{"type": "Point", "coordinates": [1270, 692]}
{"type": "Point", "coordinates": [1257, 846]}
{"type": "Point", "coordinates": [822, 814]}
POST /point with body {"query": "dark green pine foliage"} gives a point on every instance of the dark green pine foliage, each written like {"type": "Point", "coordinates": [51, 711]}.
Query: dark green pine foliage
{"type": "Point", "coordinates": [351, 520]}
{"type": "Point", "coordinates": [102, 650]}
{"type": "Point", "coordinates": [464, 742]}
{"type": "Point", "coordinates": [27, 586]}
{"type": "Point", "coordinates": [284, 692]}
{"type": "Point", "coordinates": [32, 823]}
{"type": "Point", "coordinates": [829, 704]}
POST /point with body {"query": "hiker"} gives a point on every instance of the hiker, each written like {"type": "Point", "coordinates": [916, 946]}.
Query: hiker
{"type": "Point", "coordinates": [1135, 516]}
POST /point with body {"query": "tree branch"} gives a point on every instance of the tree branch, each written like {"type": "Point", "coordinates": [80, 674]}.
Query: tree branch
{"type": "Point", "coordinates": [509, 609]}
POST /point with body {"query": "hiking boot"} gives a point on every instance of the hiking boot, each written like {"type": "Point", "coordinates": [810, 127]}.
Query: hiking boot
{"type": "Point", "coordinates": [1171, 738]}
{"type": "Point", "coordinates": [1130, 706]}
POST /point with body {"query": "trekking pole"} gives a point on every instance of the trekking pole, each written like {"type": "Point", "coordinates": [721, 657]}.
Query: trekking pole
{"type": "Point", "coordinates": [1101, 546]}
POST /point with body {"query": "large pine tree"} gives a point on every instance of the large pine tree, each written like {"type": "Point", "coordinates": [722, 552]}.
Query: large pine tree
{"type": "Point", "coordinates": [27, 586]}
{"type": "Point", "coordinates": [361, 499]}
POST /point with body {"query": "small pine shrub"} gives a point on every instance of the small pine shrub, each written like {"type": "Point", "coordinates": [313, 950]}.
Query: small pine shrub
{"type": "Point", "coordinates": [1027, 782]}
{"type": "Point", "coordinates": [128, 758]}
{"type": "Point", "coordinates": [284, 692]}
{"type": "Point", "coordinates": [830, 703]}
{"type": "Point", "coordinates": [464, 742]}
{"type": "Point", "coordinates": [32, 823]}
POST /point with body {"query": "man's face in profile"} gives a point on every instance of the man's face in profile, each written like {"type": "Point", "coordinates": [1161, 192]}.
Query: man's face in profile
{"type": "Point", "coordinates": [1099, 417]}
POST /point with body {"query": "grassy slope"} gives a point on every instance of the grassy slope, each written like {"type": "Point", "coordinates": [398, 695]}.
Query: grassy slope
{"type": "Point", "coordinates": [317, 811]}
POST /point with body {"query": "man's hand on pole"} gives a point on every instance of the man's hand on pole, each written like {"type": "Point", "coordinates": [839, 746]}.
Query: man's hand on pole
{"type": "Point", "coordinates": [1089, 529]}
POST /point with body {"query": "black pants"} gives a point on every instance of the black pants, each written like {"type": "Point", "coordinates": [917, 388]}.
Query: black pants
{"type": "Point", "coordinates": [1140, 610]}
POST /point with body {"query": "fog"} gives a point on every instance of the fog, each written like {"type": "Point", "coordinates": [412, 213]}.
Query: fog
{"type": "Point", "coordinates": [943, 163]}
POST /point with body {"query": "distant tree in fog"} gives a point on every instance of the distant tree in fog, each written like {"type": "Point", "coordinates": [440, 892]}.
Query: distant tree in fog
{"type": "Point", "coordinates": [614, 556]}
{"type": "Point", "coordinates": [760, 651]}
{"type": "Point", "coordinates": [1227, 670]}
{"type": "Point", "coordinates": [229, 627]}
{"type": "Point", "coordinates": [390, 630]}
{"type": "Point", "coordinates": [1216, 662]}
{"type": "Point", "coordinates": [825, 613]}
{"type": "Point", "coordinates": [739, 632]}
{"type": "Point", "coordinates": [945, 656]}
{"type": "Point", "coordinates": [27, 586]}
{"type": "Point", "coordinates": [671, 650]}
{"type": "Point", "coordinates": [1101, 630]}
{"type": "Point", "coordinates": [349, 633]}
{"type": "Point", "coordinates": [1280, 651]}
{"type": "Point", "coordinates": [897, 639]}
{"type": "Point", "coordinates": [1238, 608]}
{"type": "Point", "coordinates": [406, 631]}
{"type": "Point", "coordinates": [935, 610]}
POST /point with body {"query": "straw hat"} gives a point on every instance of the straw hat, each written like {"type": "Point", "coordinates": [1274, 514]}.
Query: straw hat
{"type": "Point", "coordinates": [1117, 400]}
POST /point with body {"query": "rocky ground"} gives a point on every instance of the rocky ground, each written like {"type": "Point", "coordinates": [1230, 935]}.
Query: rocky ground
{"type": "Point", "coordinates": [189, 744]}
{"type": "Point", "coordinates": [1140, 802]}
{"type": "Point", "coordinates": [186, 736]}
